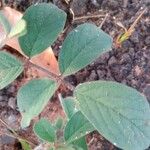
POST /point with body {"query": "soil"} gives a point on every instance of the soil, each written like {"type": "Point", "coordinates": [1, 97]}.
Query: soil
{"type": "Point", "coordinates": [129, 64]}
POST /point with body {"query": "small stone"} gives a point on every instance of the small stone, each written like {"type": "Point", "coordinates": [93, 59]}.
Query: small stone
{"type": "Point", "coordinates": [137, 70]}
{"type": "Point", "coordinates": [112, 60]}
{"type": "Point", "coordinates": [79, 7]}
{"type": "Point", "coordinates": [71, 79]}
{"type": "Point", "coordinates": [95, 3]}
{"type": "Point", "coordinates": [12, 120]}
{"type": "Point", "coordinates": [3, 103]}
{"type": "Point", "coordinates": [99, 145]}
{"type": "Point", "coordinates": [125, 71]}
{"type": "Point", "coordinates": [125, 58]}
{"type": "Point", "coordinates": [103, 58]}
{"type": "Point", "coordinates": [5, 98]}
{"type": "Point", "coordinates": [59, 4]}
{"type": "Point", "coordinates": [7, 140]}
{"type": "Point", "coordinates": [112, 4]}
{"type": "Point", "coordinates": [92, 76]}
{"type": "Point", "coordinates": [12, 103]}
{"type": "Point", "coordinates": [1, 98]}
{"type": "Point", "coordinates": [147, 40]}
{"type": "Point", "coordinates": [126, 44]}
{"type": "Point", "coordinates": [12, 89]}
{"type": "Point", "coordinates": [135, 37]}
{"type": "Point", "coordinates": [101, 74]}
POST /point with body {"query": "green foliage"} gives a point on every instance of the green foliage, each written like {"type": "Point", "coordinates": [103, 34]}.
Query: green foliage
{"type": "Point", "coordinates": [19, 29]}
{"type": "Point", "coordinates": [69, 147]}
{"type": "Point", "coordinates": [77, 127]}
{"type": "Point", "coordinates": [45, 131]}
{"type": "Point", "coordinates": [119, 113]}
{"type": "Point", "coordinates": [10, 69]}
{"type": "Point", "coordinates": [4, 23]}
{"type": "Point", "coordinates": [25, 145]}
{"type": "Point", "coordinates": [82, 46]}
{"type": "Point", "coordinates": [81, 143]}
{"type": "Point", "coordinates": [59, 123]}
{"type": "Point", "coordinates": [33, 97]}
{"type": "Point", "coordinates": [43, 24]}
{"type": "Point", "coordinates": [68, 105]}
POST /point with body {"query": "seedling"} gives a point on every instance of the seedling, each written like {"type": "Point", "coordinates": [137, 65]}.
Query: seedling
{"type": "Point", "coordinates": [119, 113]}
{"type": "Point", "coordinates": [128, 32]}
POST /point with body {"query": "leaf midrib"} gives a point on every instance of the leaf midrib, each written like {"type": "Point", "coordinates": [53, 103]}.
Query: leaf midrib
{"type": "Point", "coordinates": [79, 52]}
{"type": "Point", "coordinates": [116, 113]}
{"type": "Point", "coordinates": [41, 28]}
{"type": "Point", "coordinates": [34, 102]}
{"type": "Point", "coordinates": [78, 131]}
{"type": "Point", "coordinates": [48, 132]}
{"type": "Point", "coordinates": [11, 67]}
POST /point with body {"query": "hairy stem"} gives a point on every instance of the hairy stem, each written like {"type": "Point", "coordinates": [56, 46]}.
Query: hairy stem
{"type": "Point", "coordinates": [52, 75]}
{"type": "Point", "coordinates": [13, 133]}
{"type": "Point", "coordinates": [89, 17]}
{"type": "Point", "coordinates": [57, 78]}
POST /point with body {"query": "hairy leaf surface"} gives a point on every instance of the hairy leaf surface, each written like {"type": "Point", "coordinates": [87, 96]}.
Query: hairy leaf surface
{"type": "Point", "coordinates": [33, 97]}
{"type": "Point", "coordinates": [120, 113]}
{"type": "Point", "coordinates": [10, 69]}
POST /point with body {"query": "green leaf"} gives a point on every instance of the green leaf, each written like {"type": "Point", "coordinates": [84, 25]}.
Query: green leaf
{"type": "Point", "coordinates": [33, 97]}
{"type": "Point", "coordinates": [5, 23]}
{"type": "Point", "coordinates": [45, 131]}
{"type": "Point", "coordinates": [120, 113]}
{"type": "Point", "coordinates": [82, 46]}
{"type": "Point", "coordinates": [44, 23]}
{"type": "Point", "coordinates": [68, 105]}
{"type": "Point", "coordinates": [10, 69]}
{"type": "Point", "coordinates": [25, 145]}
{"type": "Point", "coordinates": [19, 29]}
{"type": "Point", "coordinates": [77, 127]}
{"type": "Point", "coordinates": [59, 123]}
{"type": "Point", "coordinates": [81, 143]}
{"type": "Point", "coordinates": [69, 147]}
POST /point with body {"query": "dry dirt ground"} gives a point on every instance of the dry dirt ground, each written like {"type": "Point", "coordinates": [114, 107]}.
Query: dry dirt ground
{"type": "Point", "coordinates": [129, 65]}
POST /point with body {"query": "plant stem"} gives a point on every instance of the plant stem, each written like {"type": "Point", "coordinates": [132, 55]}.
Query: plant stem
{"type": "Point", "coordinates": [57, 78]}
{"type": "Point", "coordinates": [5, 124]}
{"type": "Point", "coordinates": [104, 20]}
{"type": "Point", "coordinates": [14, 134]}
{"type": "Point", "coordinates": [136, 21]}
{"type": "Point", "coordinates": [52, 75]}
{"type": "Point", "coordinates": [88, 17]}
{"type": "Point", "coordinates": [90, 142]}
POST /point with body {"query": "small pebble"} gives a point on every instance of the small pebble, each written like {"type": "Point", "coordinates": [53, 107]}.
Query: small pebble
{"type": "Point", "coordinates": [92, 76]}
{"type": "Point", "coordinates": [12, 103]}
{"type": "Point", "coordinates": [7, 140]}
{"type": "Point", "coordinates": [101, 74]}
{"type": "Point", "coordinates": [1, 98]}
{"type": "Point", "coordinates": [147, 41]}
{"type": "Point", "coordinates": [135, 37]}
{"type": "Point", "coordinates": [11, 89]}
{"type": "Point", "coordinates": [79, 7]}
{"type": "Point", "coordinates": [12, 120]}
{"type": "Point", "coordinates": [112, 60]}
